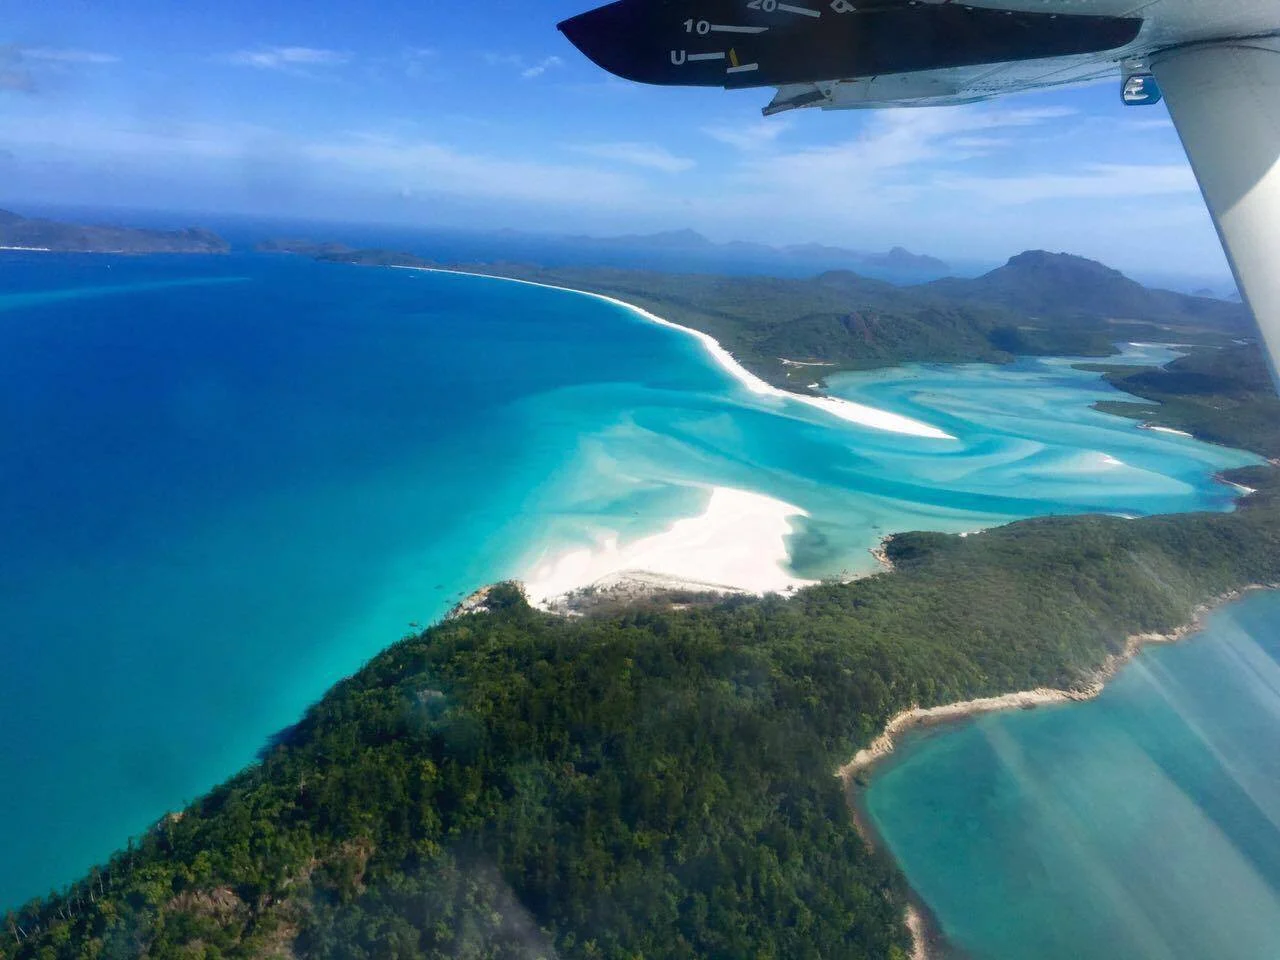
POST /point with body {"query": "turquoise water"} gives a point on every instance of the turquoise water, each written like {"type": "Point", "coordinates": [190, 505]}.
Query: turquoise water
{"type": "Point", "coordinates": [1145, 824]}
{"type": "Point", "coordinates": [229, 481]}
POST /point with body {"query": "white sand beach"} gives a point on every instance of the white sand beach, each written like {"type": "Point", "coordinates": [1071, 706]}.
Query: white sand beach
{"type": "Point", "coordinates": [845, 410]}
{"type": "Point", "coordinates": [737, 544]}
{"type": "Point", "coordinates": [1158, 429]}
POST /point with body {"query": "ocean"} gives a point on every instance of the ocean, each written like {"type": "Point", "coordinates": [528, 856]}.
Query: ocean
{"type": "Point", "coordinates": [230, 481]}
{"type": "Point", "coordinates": [1143, 825]}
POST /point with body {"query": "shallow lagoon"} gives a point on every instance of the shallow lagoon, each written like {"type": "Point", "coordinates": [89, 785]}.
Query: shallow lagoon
{"type": "Point", "coordinates": [1144, 824]}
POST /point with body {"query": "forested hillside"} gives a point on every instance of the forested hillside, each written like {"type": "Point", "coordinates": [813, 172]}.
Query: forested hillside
{"type": "Point", "coordinates": [1225, 396]}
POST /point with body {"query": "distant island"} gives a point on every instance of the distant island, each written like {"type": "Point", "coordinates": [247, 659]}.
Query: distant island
{"type": "Point", "coordinates": [341, 253]}
{"type": "Point", "coordinates": [51, 236]}
{"type": "Point", "coordinates": [897, 259]}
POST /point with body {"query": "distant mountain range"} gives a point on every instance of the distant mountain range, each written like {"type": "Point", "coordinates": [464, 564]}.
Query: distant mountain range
{"type": "Point", "coordinates": [897, 259]}
{"type": "Point", "coordinates": [34, 234]}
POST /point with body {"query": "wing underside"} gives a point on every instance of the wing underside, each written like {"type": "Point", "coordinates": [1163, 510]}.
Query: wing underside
{"type": "Point", "coordinates": [941, 87]}
{"type": "Point", "coordinates": [841, 54]}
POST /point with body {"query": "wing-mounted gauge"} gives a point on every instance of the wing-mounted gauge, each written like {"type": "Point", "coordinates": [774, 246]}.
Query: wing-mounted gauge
{"type": "Point", "coordinates": [755, 43]}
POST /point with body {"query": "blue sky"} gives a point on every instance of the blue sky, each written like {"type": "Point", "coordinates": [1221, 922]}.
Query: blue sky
{"type": "Point", "coordinates": [480, 114]}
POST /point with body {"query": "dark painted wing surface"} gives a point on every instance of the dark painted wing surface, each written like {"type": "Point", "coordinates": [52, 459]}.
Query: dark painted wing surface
{"type": "Point", "coordinates": [756, 43]}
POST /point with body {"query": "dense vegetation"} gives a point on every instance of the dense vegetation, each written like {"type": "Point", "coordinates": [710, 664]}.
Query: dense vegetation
{"type": "Point", "coordinates": [650, 784]}
{"type": "Point", "coordinates": [1226, 396]}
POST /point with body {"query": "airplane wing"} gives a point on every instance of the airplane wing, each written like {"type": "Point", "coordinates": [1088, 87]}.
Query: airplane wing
{"type": "Point", "coordinates": [1215, 62]}
{"type": "Point", "coordinates": [755, 43]}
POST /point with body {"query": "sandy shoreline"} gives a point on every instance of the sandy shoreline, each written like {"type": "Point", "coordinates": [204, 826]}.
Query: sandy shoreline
{"type": "Point", "coordinates": [738, 544]}
{"type": "Point", "coordinates": [846, 410]}
{"type": "Point", "coordinates": [928, 942]}
{"type": "Point", "coordinates": [1156, 428]}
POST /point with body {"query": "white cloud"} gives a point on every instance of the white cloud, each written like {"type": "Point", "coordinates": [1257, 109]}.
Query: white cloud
{"type": "Point", "coordinates": [978, 145]}
{"type": "Point", "coordinates": [352, 163]}
{"type": "Point", "coordinates": [58, 55]}
{"type": "Point", "coordinates": [1095, 181]}
{"type": "Point", "coordinates": [425, 167]}
{"type": "Point", "coordinates": [899, 156]}
{"type": "Point", "coordinates": [286, 58]}
{"type": "Point", "coordinates": [541, 67]}
{"type": "Point", "coordinates": [648, 155]}
{"type": "Point", "coordinates": [1150, 123]}
{"type": "Point", "coordinates": [750, 136]}
{"type": "Point", "coordinates": [20, 66]}
{"type": "Point", "coordinates": [956, 182]}
{"type": "Point", "coordinates": [526, 69]}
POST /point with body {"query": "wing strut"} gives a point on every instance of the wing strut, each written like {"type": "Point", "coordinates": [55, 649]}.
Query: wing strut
{"type": "Point", "coordinates": [1225, 102]}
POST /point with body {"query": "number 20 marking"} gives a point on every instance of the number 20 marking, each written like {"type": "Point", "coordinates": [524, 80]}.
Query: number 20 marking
{"type": "Point", "coordinates": [768, 6]}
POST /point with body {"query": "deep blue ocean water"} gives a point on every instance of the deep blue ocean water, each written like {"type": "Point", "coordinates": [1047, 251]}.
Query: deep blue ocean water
{"type": "Point", "coordinates": [1144, 825]}
{"type": "Point", "coordinates": [227, 482]}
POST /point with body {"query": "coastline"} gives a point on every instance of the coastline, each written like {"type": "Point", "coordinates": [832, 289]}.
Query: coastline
{"type": "Point", "coordinates": [928, 940]}
{"type": "Point", "coordinates": [737, 544]}
{"type": "Point", "coordinates": [841, 409]}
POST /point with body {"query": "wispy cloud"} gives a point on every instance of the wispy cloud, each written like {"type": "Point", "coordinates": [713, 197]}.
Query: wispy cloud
{"type": "Point", "coordinates": [1150, 123]}
{"type": "Point", "coordinates": [647, 155]}
{"type": "Point", "coordinates": [1095, 181]}
{"type": "Point", "coordinates": [901, 167]}
{"type": "Point", "coordinates": [427, 167]}
{"type": "Point", "coordinates": [975, 181]}
{"type": "Point", "coordinates": [503, 59]}
{"type": "Point", "coordinates": [528, 70]}
{"type": "Point", "coordinates": [751, 136]}
{"type": "Point", "coordinates": [541, 67]}
{"type": "Point", "coordinates": [20, 65]}
{"type": "Point", "coordinates": [60, 55]}
{"type": "Point", "coordinates": [367, 163]}
{"type": "Point", "coordinates": [287, 58]}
